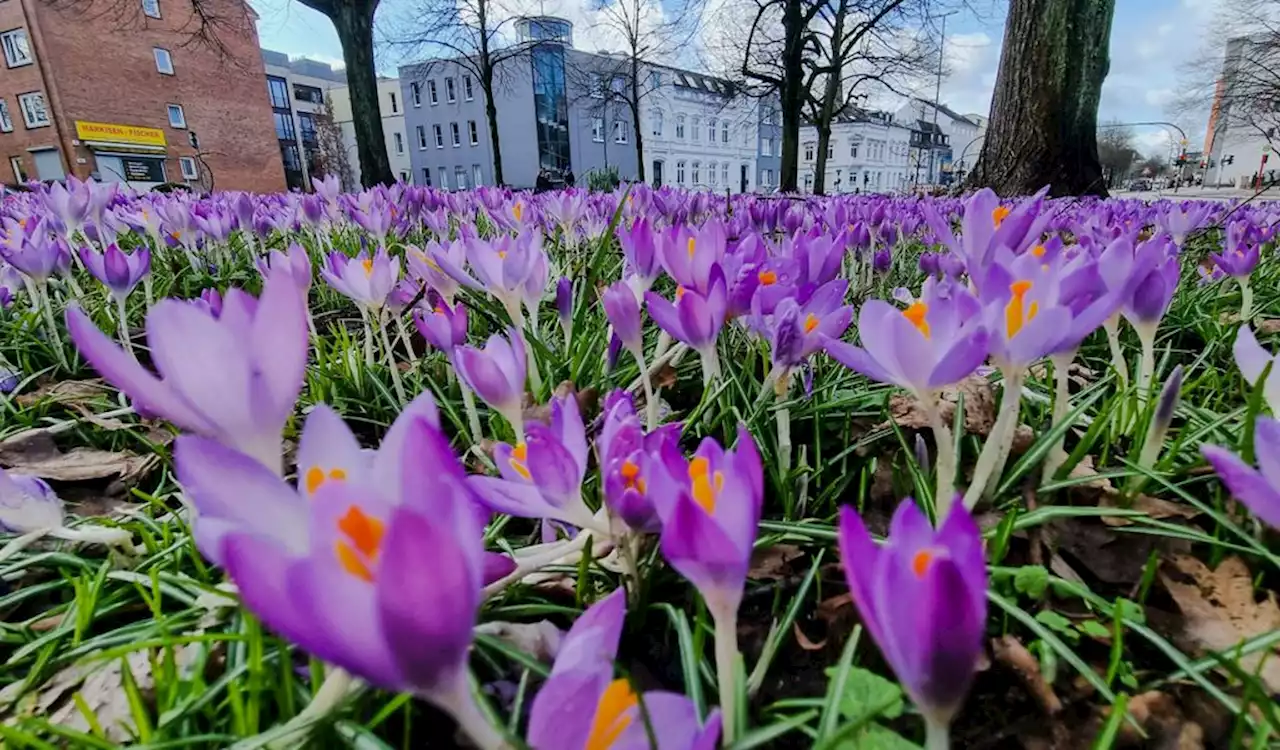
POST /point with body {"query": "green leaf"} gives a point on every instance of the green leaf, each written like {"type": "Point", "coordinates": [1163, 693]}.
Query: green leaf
{"type": "Point", "coordinates": [1094, 629]}
{"type": "Point", "coordinates": [876, 737]}
{"type": "Point", "coordinates": [1032, 580]}
{"type": "Point", "coordinates": [867, 695]}
{"type": "Point", "coordinates": [1058, 623]}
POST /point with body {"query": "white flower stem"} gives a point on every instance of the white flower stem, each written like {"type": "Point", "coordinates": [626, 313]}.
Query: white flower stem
{"type": "Point", "coordinates": [1112, 327]}
{"type": "Point", "coordinates": [1246, 300]}
{"type": "Point", "coordinates": [1061, 406]}
{"type": "Point", "coordinates": [461, 705]}
{"type": "Point", "coordinates": [391, 358]}
{"type": "Point", "coordinates": [51, 326]}
{"type": "Point", "coordinates": [124, 326]}
{"type": "Point", "coordinates": [944, 495]}
{"type": "Point", "coordinates": [996, 450]}
{"type": "Point", "coordinates": [554, 554]}
{"type": "Point", "coordinates": [710, 366]}
{"type": "Point", "coordinates": [650, 398]}
{"type": "Point", "coordinates": [664, 343]}
{"type": "Point", "coordinates": [726, 669]}
{"type": "Point", "coordinates": [1147, 365]}
{"type": "Point", "coordinates": [404, 339]}
{"type": "Point", "coordinates": [368, 336]}
{"type": "Point", "coordinates": [937, 735]}
{"type": "Point", "coordinates": [473, 416]}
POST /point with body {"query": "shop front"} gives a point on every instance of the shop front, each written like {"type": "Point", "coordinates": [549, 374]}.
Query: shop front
{"type": "Point", "coordinates": [125, 153]}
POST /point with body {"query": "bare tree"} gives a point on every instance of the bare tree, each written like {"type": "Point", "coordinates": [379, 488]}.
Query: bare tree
{"type": "Point", "coordinates": [1044, 114]}
{"type": "Point", "coordinates": [331, 149]}
{"type": "Point", "coordinates": [860, 45]}
{"type": "Point", "coordinates": [477, 36]}
{"type": "Point", "coordinates": [1116, 153]}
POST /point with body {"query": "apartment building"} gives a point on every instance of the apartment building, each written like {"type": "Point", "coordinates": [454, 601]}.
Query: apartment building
{"type": "Point", "coordinates": [1244, 127]}
{"type": "Point", "coordinates": [941, 138]}
{"type": "Point", "coordinates": [297, 91]}
{"type": "Point", "coordinates": [91, 90]}
{"type": "Point", "coordinates": [391, 107]}
{"type": "Point", "coordinates": [868, 152]}
{"type": "Point", "coordinates": [563, 110]}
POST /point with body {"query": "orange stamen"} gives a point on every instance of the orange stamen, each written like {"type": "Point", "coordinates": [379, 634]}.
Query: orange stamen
{"type": "Point", "coordinates": [612, 718]}
{"type": "Point", "coordinates": [916, 314]}
{"type": "Point", "coordinates": [519, 460]}
{"type": "Point", "coordinates": [921, 561]}
{"type": "Point", "coordinates": [810, 323]}
{"type": "Point", "coordinates": [363, 542]}
{"type": "Point", "coordinates": [768, 278]}
{"type": "Point", "coordinates": [999, 215]}
{"type": "Point", "coordinates": [1016, 314]}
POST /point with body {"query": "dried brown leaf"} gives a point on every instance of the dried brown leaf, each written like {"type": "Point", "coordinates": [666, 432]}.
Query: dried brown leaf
{"type": "Point", "coordinates": [979, 407]}
{"type": "Point", "coordinates": [69, 392]}
{"type": "Point", "coordinates": [34, 452]}
{"type": "Point", "coordinates": [1152, 506]}
{"type": "Point", "coordinates": [1269, 326]}
{"type": "Point", "coordinates": [803, 640]}
{"type": "Point", "coordinates": [1010, 652]}
{"type": "Point", "coordinates": [773, 563]}
{"type": "Point", "coordinates": [101, 687]}
{"type": "Point", "coordinates": [1220, 609]}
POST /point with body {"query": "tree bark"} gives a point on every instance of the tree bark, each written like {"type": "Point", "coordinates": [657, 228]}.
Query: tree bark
{"type": "Point", "coordinates": [354, 23]}
{"type": "Point", "coordinates": [635, 115]}
{"type": "Point", "coordinates": [792, 94]}
{"type": "Point", "coordinates": [491, 114]}
{"type": "Point", "coordinates": [1044, 114]}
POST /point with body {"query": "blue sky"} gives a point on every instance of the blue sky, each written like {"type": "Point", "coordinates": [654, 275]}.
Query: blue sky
{"type": "Point", "coordinates": [1151, 42]}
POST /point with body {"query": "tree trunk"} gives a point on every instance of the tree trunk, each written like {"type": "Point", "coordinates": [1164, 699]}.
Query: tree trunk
{"type": "Point", "coordinates": [635, 116]}
{"type": "Point", "coordinates": [1044, 114]}
{"type": "Point", "coordinates": [820, 166]}
{"type": "Point", "coordinates": [491, 115]}
{"type": "Point", "coordinates": [354, 24]}
{"type": "Point", "coordinates": [792, 95]}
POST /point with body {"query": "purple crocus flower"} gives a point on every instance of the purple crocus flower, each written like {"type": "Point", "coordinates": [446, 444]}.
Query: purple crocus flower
{"type": "Point", "coordinates": [425, 266]}
{"type": "Point", "coordinates": [988, 225]}
{"type": "Point", "coordinates": [1153, 292]}
{"type": "Point", "coordinates": [923, 599]}
{"type": "Point", "coordinates": [36, 255]}
{"type": "Point", "coordinates": [623, 312]}
{"type": "Point", "coordinates": [233, 378]}
{"type": "Point", "coordinates": [1240, 256]}
{"type": "Point", "coordinates": [496, 374]}
{"type": "Point", "coordinates": [542, 474]}
{"type": "Point", "coordinates": [694, 319]}
{"type": "Point", "coordinates": [691, 257]}
{"type": "Point", "coordinates": [882, 261]}
{"type": "Point", "coordinates": [367, 281]}
{"type": "Point", "coordinates": [709, 531]}
{"type": "Point", "coordinates": [1258, 489]}
{"type": "Point", "coordinates": [582, 705]}
{"type": "Point", "coordinates": [335, 565]}
{"type": "Point", "coordinates": [70, 203]}
{"type": "Point", "coordinates": [627, 456]}
{"type": "Point", "coordinates": [28, 504]}
{"type": "Point", "coordinates": [210, 301]}
{"type": "Point", "coordinates": [797, 330]}
{"type": "Point", "coordinates": [118, 270]}
{"type": "Point", "coordinates": [295, 260]}
{"type": "Point", "coordinates": [9, 379]}
{"type": "Point", "coordinates": [443, 327]}
{"type": "Point", "coordinates": [1252, 360]}
{"type": "Point", "coordinates": [1181, 221]}
{"type": "Point", "coordinates": [935, 342]}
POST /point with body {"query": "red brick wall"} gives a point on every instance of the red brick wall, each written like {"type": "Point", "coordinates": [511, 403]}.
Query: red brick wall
{"type": "Point", "coordinates": [99, 57]}
{"type": "Point", "coordinates": [15, 81]}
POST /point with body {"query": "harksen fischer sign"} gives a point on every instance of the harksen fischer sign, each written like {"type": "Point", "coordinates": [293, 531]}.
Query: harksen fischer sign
{"type": "Point", "coordinates": [105, 131]}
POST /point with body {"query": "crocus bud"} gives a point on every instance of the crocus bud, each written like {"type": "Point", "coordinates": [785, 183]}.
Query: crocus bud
{"type": "Point", "coordinates": [882, 261]}
{"type": "Point", "coordinates": [564, 307]}
{"type": "Point", "coordinates": [8, 379]}
{"type": "Point", "coordinates": [623, 312]}
{"type": "Point", "coordinates": [929, 263]}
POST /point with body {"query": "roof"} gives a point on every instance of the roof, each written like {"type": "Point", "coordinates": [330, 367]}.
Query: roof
{"type": "Point", "coordinates": [687, 79]}
{"type": "Point", "coordinates": [949, 112]}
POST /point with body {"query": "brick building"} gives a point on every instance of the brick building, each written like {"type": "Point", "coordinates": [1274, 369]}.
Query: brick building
{"type": "Point", "coordinates": [116, 89]}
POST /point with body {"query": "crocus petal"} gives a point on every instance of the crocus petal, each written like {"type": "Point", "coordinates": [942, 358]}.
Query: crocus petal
{"type": "Point", "coordinates": [1246, 484]}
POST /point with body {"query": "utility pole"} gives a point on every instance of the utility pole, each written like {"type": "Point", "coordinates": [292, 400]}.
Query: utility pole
{"type": "Point", "coordinates": [937, 96]}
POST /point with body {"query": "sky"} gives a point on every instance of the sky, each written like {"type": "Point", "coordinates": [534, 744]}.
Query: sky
{"type": "Point", "coordinates": [1152, 43]}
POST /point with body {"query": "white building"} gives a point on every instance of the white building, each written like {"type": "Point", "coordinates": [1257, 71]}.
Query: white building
{"type": "Point", "coordinates": [699, 133]}
{"type": "Point", "coordinates": [938, 153]}
{"type": "Point", "coordinates": [868, 153]}
{"type": "Point", "coordinates": [297, 89]}
{"type": "Point", "coordinates": [391, 107]}
{"type": "Point", "coordinates": [1241, 140]}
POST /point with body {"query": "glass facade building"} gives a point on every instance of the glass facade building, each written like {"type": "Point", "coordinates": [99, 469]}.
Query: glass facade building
{"type": "Point", "coordinates": [551, 106]}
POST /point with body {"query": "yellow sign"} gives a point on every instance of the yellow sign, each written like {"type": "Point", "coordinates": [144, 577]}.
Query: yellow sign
{"type": "Point", "coordinates": [104, 131]}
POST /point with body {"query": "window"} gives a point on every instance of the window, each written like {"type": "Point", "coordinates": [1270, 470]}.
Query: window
{"type": "Point", "coordinates": [467, 92]}
{"type": "Point", "coordinates": [680, 127]}
{"type": "Point", "coordinates": [404, 176]}
{"type": "Point", "coordinates": [477, 176]}
{"type": "Point", "coordinates": [724, 131]}
{"type": "Point", "coordinates": [724, 173]}
{"type": "Point", "coordinates": [19, 174]}
{"type": "Point", "coordinates": [746, 137]}
{"type": "Point", "coordinates": [177, 118]}
{"type": "Point", "coordinates": [766, 177]}
{"type": "Point", "coordinates": [395, 105]}
{"type": "Point", "coordinates": [595, 85]}
{"type": "Point", "coordinates": [399, 140]}
{"type": "Point", "coordinates": [415, 96]}
{"type": "Point", "coordinates": [455, 134]}
{"type": "Point", "coordinates": [655, 79]}
{"type": "Point", "coordinates": [460, 178]}
{"type": "Point", "coordinates": [808, 152]}
{"type": "Point", "coordinates": [431, 94]}
{"type": "Point", "coordinates": [421, 132]}
{"type": "Point", "coordinates": [597, 129]}
{"type": "Point", "coordinates": [278, 90]}
{"type": "Point", "coordinates": [711, 131]}
{"type": "Point", "coordinates": [444, 178]}
{"type": "Point", "coordinates": [808, 180]}
{"type": "Point", "coordinates": [34, 113]}
{"type": "Point", "coordinates": [164, 61]}
{"type": "Point", "coordinates": [439, 133]}
{"type": "Point", "coordinates": [6, 122]}
{"type": "Point", "coordinates": [284, 126]}
{"type": "Point", "coordinates": [450, 94]}
{"type": "Point", "coordinates": [474, 132]}
{"type": "Point", "coordinates": [17, 52]}
{"type": "Point", "coordinates": [657, 122]}
{"type": "Point", "coordinates": [151, 8]}
{"type": "Point", "coordinates": [426, 176]}
{"type": "Point", "coordinates": [697, 123]}
{"type": "Point", "coordinates": [619, 85]}
{"type": "Point", "coordinates": [307, 127]}
{"type": "Point", "coordinates": [697, 172]}
{"type": "Point", "coordinates": [831, 149]}
{"type": "Point", "coordinates": [679, 173]}
{"type": "Point", "coordinates": [766, 147]}
{"type": "Point", "coordinates": [621, 131]}
{"type": "Point", "coordinates": [305, 93]}
{"type": "Point", "coordinates": [711, 173]}
{"type": "Point", "coordinates": [188, 166]}
{"type": "Point", "coordinates": [853, 150]}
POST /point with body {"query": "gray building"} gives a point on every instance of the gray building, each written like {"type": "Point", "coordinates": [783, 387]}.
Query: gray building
{"type": "Point", "coordinates": [297, 89]}
{"type": "Point", "coordinates": [558, 110]}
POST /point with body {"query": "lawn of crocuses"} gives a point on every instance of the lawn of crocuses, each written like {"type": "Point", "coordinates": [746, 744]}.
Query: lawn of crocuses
{"type": "Point", "coordinates": [652, 468]}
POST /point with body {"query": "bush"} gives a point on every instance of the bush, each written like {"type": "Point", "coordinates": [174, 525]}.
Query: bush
{"type": "Point", "coordinates": [603, 180]}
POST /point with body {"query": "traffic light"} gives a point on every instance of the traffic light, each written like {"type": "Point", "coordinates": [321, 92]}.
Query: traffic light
{"type": "Point", "coordinates": [1229, 159]}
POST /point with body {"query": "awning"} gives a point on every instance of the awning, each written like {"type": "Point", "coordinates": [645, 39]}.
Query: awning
{"type": "Point", "coordinates": [127, 148]}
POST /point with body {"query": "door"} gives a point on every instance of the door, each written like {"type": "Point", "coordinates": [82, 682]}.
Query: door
{"type": "Point", "coordinates": [48, 164]}
{"type": "Point", "coordinates": [742, 179]}
{"type": "Point", "coordinates": [657, 173]}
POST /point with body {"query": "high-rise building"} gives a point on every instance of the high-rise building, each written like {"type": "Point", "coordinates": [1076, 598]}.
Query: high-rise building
{"type": "Point", "coordinates": [1244, 124]}
{"type": "Point", "coordinates": [561, 110]}
{"type": "Point", "coordinates": [296, 90]}
{"type": "Point", "coordinates": [121, 91]}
